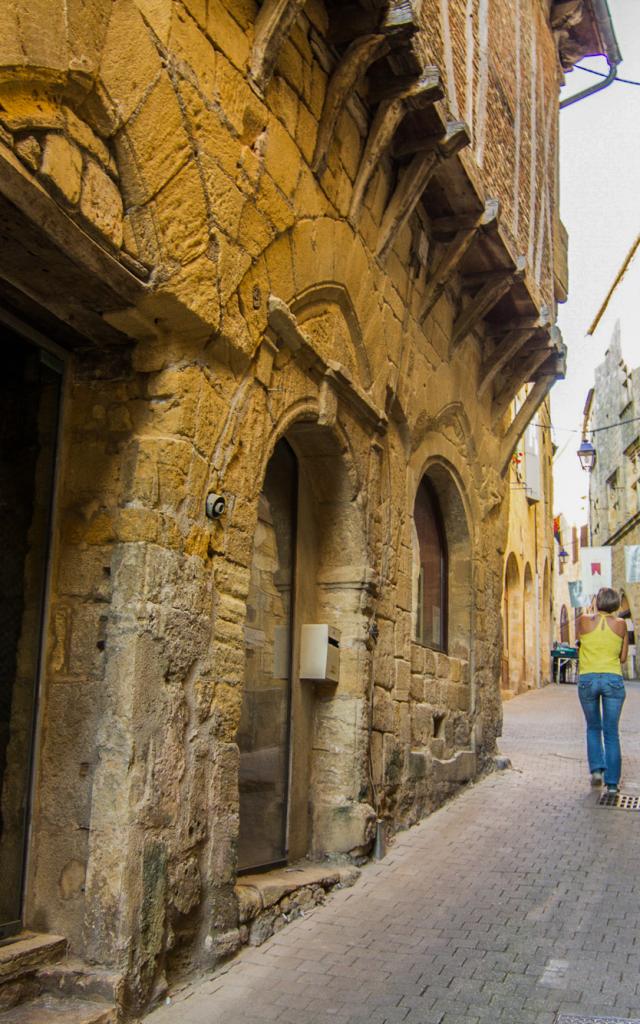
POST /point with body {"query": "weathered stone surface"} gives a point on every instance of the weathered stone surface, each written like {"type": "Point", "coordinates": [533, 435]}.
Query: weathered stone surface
{"type": "Point", "coordinates": [62, 167]}
{"type": "Point", "coordinates": [101, 203]}
{"type": "Point", "coordinates": [26, 955]}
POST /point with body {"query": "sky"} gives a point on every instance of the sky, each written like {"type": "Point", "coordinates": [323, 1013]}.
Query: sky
{"type": "Point", "coordinates": [600, 207]}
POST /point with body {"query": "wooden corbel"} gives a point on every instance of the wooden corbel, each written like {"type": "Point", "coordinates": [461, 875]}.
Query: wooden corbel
{"type": "Point", "coordinates": [497, 283]}
{"type": "Point", "coordinates": [351, 69]}
{"type": "Point", "coordinates": [464, 235]}
{"type": "Point", "coordinates": [523, 417]}
{"type": "Point", "coordinates": [399, 17]}
{"type": "Point", "coordinates": [413, 181]}
{"type": "Point", "coordinates": [509, 345]}
{"type": "Point", "coordinates": [519, 377]}
{"type": "Point", "coordinates": [389, 115]}
{"type": "Point", "coordinates": [273, 24]}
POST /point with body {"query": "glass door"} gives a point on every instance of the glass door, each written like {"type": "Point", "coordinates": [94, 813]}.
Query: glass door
{"type": "Point", "coordinates": [263, 736]}
{"type": "Point", "coordinates": [30, 393]}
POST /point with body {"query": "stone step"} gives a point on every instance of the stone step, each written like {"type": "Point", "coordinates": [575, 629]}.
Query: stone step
{"type": "Point", "coordinates": [75, 978]}
{"type": "Point", "coordinates": [53, 1010]}
{"type": "Point", "coordinates": [29, 953]}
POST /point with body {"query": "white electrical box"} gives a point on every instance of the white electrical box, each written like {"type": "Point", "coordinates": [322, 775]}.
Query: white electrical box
{"type": "Point", "coordinates": [320, 653]}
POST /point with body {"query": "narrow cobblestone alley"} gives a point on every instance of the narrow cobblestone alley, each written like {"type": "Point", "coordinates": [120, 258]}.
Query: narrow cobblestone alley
{"type": "Point", "coordinates": [516, 901]}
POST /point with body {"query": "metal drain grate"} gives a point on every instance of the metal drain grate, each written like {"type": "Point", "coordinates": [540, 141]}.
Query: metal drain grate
{"type": "Point", "coordinates": [625, 802]}
{"type": "Point", "coordinates": [569, 1018]}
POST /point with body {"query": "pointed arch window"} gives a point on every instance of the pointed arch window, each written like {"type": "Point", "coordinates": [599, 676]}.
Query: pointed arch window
{"type": "Point", "coordinates": [432, 597]}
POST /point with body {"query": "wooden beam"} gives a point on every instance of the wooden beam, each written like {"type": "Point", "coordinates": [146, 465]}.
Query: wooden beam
{"type": "Point", "coordinates": [398, 17]}
{"type": "Point", "coordinates": [350, 70]}
{"type": "Point", "coordinates": [517, 379]}
{"type": "Point", "coordinates": [273, 23]}
{"type": "Point", "coordinates": [453, 254]}
{"type": "Point", "coordinates": [412, 182]}
{"type": "Point", "coordinates": [490, 293]}
{"type": "Point", "coordinates": [385, 123]}
{"type": "Point", "coordinates": [510, 345]}
{"type": "Point", "coordinates": [391, 87]}
{"type": "Point", "coordinates": [522, 419]}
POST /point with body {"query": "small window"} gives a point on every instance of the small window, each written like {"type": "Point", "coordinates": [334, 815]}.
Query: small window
{"type": "Point", "coordinates": [431, 620]}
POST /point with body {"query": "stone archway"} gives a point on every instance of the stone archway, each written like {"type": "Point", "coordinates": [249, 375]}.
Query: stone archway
{"type": "Point", "coordinates": [529, 630]}
{"type": "Point", "coordinates": [545, 638]}
{"type": "Point", "coordinates": [326, 811]}
{"type": "Point", "coordinates": [513, 625]}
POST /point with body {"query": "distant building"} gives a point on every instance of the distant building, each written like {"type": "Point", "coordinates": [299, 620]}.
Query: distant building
{"type": "Point", "coordinates": [613, 416]}
{"type": "Point", "coordinates": [527, 595]}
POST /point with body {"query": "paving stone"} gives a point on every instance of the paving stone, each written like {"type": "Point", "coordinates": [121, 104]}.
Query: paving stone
{"type": "Point", "coordinates": [512, 904]}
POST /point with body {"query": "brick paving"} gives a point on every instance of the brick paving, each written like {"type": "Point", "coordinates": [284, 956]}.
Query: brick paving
{"type": "Point", "coordinates": [517, 900]}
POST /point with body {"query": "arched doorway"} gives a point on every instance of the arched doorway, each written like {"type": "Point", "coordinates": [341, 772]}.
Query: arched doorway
{"type": "Point", "coordinates": [302, 784]}
{"type": "Point", "coordinates": [545, 640]}
{"type": "Point", "coordinates": [263, 735]}
{"type": "Point", "coordinates": [512, 626]}
{"type": "Point", "coordinates": [529, 630]}
{"type": "Point", "coordinates": [564, 625]}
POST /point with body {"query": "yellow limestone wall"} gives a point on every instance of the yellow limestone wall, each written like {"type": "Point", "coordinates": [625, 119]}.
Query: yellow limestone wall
{"type": "Point", "coordinates": [139, 120]}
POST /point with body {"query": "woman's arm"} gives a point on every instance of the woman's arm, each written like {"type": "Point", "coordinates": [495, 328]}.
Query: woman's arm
{"type": "Point", "coordinates": [625, 645]}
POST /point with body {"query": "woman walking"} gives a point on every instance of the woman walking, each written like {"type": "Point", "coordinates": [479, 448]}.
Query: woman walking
{"type": "Point", "coordinates": [603, 651]}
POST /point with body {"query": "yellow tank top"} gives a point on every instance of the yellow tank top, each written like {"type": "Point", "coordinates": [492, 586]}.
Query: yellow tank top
{"type": "Point", "coordinates": [600, 649]}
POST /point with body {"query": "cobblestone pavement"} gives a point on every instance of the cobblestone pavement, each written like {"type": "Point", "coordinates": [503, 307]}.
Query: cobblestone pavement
{"type": "Point", "coordinates": [517, 900]}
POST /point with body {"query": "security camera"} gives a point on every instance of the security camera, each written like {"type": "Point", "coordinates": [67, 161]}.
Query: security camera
{"type": "Point", "coordinates": [215, 505]}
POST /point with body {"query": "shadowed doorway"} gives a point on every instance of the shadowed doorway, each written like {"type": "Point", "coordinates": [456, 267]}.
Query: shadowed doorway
{"type": "Point", "coordinates": [263, 736]}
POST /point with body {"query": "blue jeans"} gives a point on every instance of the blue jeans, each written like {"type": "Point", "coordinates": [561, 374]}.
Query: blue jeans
{"type": "Point", "coordinates": [602, 696]}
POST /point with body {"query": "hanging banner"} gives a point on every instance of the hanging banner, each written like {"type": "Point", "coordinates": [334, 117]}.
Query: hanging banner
{"type": "Point", "coordinates": [578, 596]}
{"type": "Point", "coordinates": [632, 563]}
{"type": "Point", "coordinates": [595, 568]}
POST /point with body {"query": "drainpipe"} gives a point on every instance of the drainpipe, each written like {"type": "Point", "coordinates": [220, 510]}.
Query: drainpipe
{"type": "Point", "coordinates": [611, 51]}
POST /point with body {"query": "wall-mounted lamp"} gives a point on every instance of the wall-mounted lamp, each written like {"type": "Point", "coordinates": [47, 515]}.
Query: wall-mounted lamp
{"type": "Point", "coordinates": [562, 556]}
{"type": "Point", "coordinates": [587, 455]}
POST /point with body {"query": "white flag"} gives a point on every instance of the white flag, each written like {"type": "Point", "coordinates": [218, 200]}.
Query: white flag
{"type": "Point", "coordinates": [595, 567]}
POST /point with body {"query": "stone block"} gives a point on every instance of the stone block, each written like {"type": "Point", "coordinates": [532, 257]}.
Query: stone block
{"type": "Point", "coordinates": [62, 167]}
{"type": "Point", "coordinates": [182, 217]}
{"type": "Point", "coordinates": [460, 768]}
{"type": "Point", "coordinates": [417, 689]}
{"type": "Point", "coordinates": [130, 61]}
{"type": "Point", "coordinates": [402, 679]}
{"type": "Point", "coordinates": [29, 150]}
{"type": "Point", "coordinates": [154, 145]}
{"type": "Point", "coordinates": [227, 34]}
{"type": "Point", "coordinates": [343, 828]}
{"type": "Point", "coordinates": [419, 764]}
{"type": "Point", "coordinates": [101, 203]}
{"type": "Point", "coordinates": [421, 724]}
{"type": "Point", "coordinates": [383, 712]}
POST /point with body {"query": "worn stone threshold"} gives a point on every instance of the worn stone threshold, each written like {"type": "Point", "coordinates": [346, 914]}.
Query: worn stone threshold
{"type": "Point", "coordinates": [54, 1010]}
{"type": "Point", "coordinates": [268, 901]}
{"type": "Point", "coordinates": [28, 953]}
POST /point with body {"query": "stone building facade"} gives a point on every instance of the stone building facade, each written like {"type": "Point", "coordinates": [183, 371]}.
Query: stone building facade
{"type": "Point", "coordinates": [613, 414]}
{"type": "Point", "coordinates": [529, 562]}
{"type": "Point", "coordinates": [299, 256]}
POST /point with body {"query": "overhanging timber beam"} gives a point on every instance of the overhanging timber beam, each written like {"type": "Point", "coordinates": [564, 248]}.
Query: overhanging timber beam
{"type": "Point", "coordinates": [519, 376]}
{"type": "Point", "coordinates": [389, 115]}
{"type": "Point", "coordinates": [398, 16]}
{"type": "Point", "coordinates": [350, 70]}
{"type": "Point", "coordinates": [523, 417]}
{"type": "Point", "coordinates": [273, 24]}
{"type": "Point", "coordinates": [497, 285]}
{"type": "Point", "coordinates": [413, 181]}
{"type": "Point", "coordinates": [465, 235]}
{"type": "Point", "coordinates": [509, 346]}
